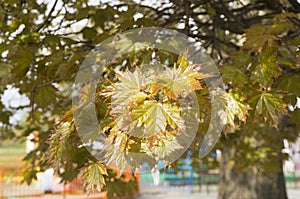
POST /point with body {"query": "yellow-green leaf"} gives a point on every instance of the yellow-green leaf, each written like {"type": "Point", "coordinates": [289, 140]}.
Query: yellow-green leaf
{"type": "Point", "coordinates": [268, 106]}
{"type": "Point", "coordinates": [93, 176]}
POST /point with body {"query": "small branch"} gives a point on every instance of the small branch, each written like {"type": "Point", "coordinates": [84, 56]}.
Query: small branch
{"type": "Point", "coordinates": [48, 83]}
{"type": "Point", "coordinates": [295, 21]}
{"type": "Point", "coordinates": [47, 20]}
{"type": "Point", "coordinates": [187, 6]}
{"type": "Point", "coordinates": [295, 4]}
{"type": "Point", "coordinates": [33, 91]}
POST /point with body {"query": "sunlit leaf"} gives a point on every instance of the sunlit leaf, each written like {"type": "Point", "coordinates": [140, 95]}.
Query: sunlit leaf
{"type": "Point", "coordinates": [162, 147]}
{"type": "Point", "coordinates": [152, 116]}
{"type": "Point", "coordinates": [115, 150]}
{"type": "Point", "coordinates": [268, 106]}
{"type": "Point", "coordinates": [93, 176]}
{"type": "Point", "coordinates": [267, 69]}
{"type": "Point", "coordinates": [180, 81]}
{"type": "Point", "coordinates": [128, 86]}
{"type": "Point", "coordinates": [235, 109]}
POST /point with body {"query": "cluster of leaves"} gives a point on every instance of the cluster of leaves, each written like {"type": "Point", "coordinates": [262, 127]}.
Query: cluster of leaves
{"type": "Point", "coordinates": [69, 162]}
{"type": "Point", "coordinates": [147, 111]}
{"type": "Point", "coordinates": [219, 26]}
{"type": "Point", "coordinates": [41, 52]}
{"type": "Point", "coordinates": [264, 74]}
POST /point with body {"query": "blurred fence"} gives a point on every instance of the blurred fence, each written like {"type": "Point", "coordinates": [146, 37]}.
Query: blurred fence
{"type": "Point", "coordinates": [11, 187]}
{"type": "Point", "coordinates": [198, 182]}
{"type": "Point", "coordinates": [184, 180]}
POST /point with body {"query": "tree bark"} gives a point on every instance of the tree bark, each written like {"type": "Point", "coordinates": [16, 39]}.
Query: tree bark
{"type": "Point", "coordinates": [249, 184]}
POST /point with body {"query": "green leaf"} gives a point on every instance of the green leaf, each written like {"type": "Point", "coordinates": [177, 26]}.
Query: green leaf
{"type": "Point", "coordinates": [126, 19]}
{"type": "Point", "coordinates": [70, 175]}
{"type": "Point", "coordinates": [115, 148]}
{"type": "Point", "coordinates": [93, 176]}
{"type": "Point", "coordinates": [242, 58]}
{"type": "Point", "coordinates": [152, 116]}
{"type": "Point", "coordinates": [180, 81]}
{"type": "Point", "coordinates": [235, 108]}
{"type": "Point", "coordinates": [173, 83]}
{"type": "Point", "coordinates": [284, 60]}
{"type": "Point", "coordinates": [173, 115]}
{"type": "Point", "coordinates": [82, 13]}
{"type": "Point", "coordinates": [127, 89]}
{"type": "Point", "coordinates": [45, 96]}
{"type": "Point", "coordinates": [89, 33]}
{"type": "Point", "coordinates": [155, 116]}
{"type": "Point", "coordinates": [210, 10]}
{"type": "Point", "coordinates": [291, 84]}
{"type": "Point", "coordinates": [161, 148]}
{"type": "Point", "coordinates": [267, 69]}
{"type": "Point", "coordinates": [23, 58]}
{"type": "Point", "coordinates": [3, 47]}
{"type": "Point", "coordinates": [57, 144]}
{"type": "Point", "coordinates": [88, 123]}
{"type": "Point", "coordinates": [257, 36]}
{"type": "Point", "coordinates": [52, 40]}
{"type": "Point", "coordinates": [230, 107]}
{"type": "Point", "coordinates": [124, 44]}
{"type": "Point", "coordinates": [120, 186]}
{"type": "Point", "coordinates": [281, 27]}
{"type": "Point", "coordinates": [145, 22]}
{"type": "Point", "coordinates": [5, 71]}
{"type": "Point", "coordinates": [234, 75]}
{"type": "Point", "coordinates": [29, 175]}
{"type": "Point", "coordinates": [101, 17]}
{"type": "Point", "coordinates": [268, 106]}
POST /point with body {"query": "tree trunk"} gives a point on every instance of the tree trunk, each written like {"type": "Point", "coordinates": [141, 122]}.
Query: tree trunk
{"type": "Point", "coordinates": [250, 184]}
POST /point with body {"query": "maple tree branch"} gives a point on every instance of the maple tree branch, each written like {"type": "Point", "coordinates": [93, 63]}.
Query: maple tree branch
{"type": "Point", "coordinates": [47, 20]}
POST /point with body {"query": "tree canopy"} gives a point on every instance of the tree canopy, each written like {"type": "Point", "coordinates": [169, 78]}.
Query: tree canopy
{"type": "Point", "coordinates": [255, 44]}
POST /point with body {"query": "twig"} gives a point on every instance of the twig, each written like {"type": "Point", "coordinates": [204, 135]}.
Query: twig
{"type": "Point", "coordinates": [47, 21]}
{"type": "Point", "coordinates": [187, 6]}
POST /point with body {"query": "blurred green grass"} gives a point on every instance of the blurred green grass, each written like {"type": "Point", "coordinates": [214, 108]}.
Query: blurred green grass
{"type": "Point", "coordinates": [11, 153]}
